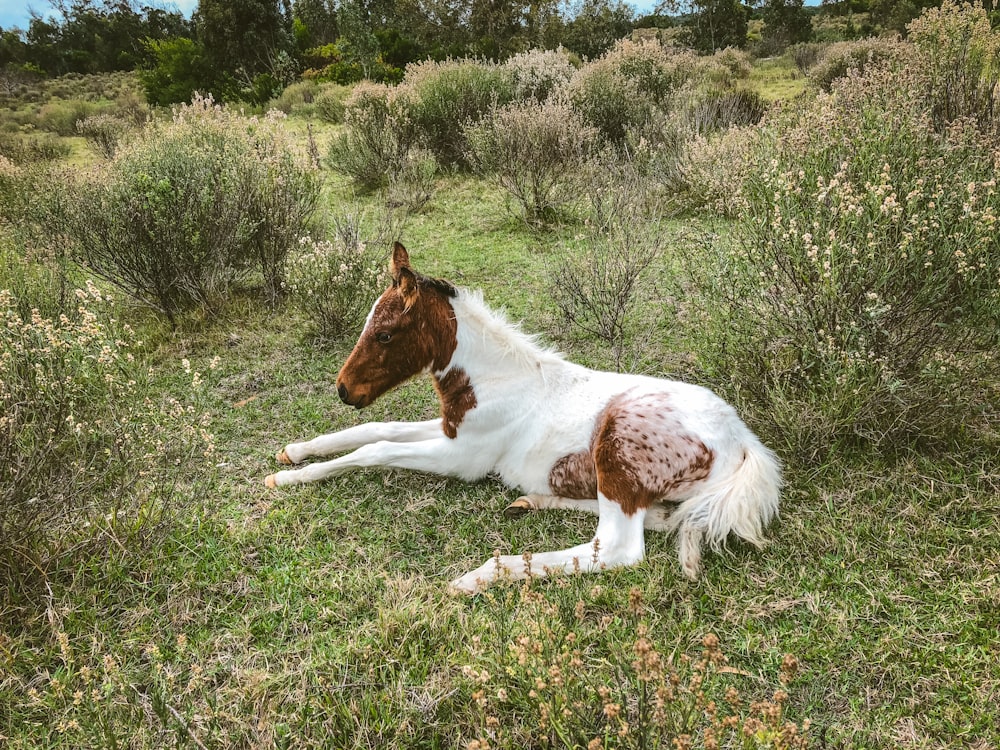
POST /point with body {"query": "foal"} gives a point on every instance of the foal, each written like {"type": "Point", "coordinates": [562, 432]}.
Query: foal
{"type": "Point", "coordinates": [639, 452]}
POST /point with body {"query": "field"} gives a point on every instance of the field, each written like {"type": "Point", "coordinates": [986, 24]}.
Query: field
{"type": "Point", "coordinates": [318, 616]}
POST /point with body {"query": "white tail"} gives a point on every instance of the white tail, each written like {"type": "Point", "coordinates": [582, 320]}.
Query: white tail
{"type": "Point", "coordinates": [742, 502]}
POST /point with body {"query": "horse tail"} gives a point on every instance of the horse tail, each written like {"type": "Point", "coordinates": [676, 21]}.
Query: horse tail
{"type": "Point", "coordinates": [742, 501]}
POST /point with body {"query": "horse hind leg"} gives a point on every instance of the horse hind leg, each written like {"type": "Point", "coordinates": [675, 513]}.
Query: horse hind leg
{"type": "Point", "coordinates": [527, 503]}
{"type": "Point", "coordinates": [657, 516]}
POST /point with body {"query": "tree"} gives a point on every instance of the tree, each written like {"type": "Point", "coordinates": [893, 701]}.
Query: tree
{"type": "Point", "coordinates": [319, 20]}
{"type": "Point", "coordinates": [785, 23]}
{"type": "Point", "coordinates": [717, 24]}
{"type": "Point", "coordinates": [597, 24]}
{"type": "Point", "coordinates": [245, 39]}
{"type": "Point", "coordinates": [179, 69]}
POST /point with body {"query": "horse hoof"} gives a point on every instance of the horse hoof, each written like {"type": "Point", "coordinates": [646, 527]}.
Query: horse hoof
{"type": "Point", "coordinates": [518, 508]}
{"type": "Point", "coordinates": [282, 458]}
{"type": "Point", "coordinates": [270, 481]}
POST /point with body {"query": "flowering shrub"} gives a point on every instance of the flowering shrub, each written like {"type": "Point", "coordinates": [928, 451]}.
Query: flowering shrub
{"type": "Point", "coordinates": [862, 289]}
{"type": "Point", "coordinates": [534, 151]}
{"type": "Point", "coordinates": [85, 449]}
{"type": "Point", "coordinates": [537, 74]}
{"type": "Point", "coordinates": [192, 206]}
{"type": "Point", "coordinates": [959, 53]}
{"type": "Point", "coordinates": [557, 685]}
{"type": "Point", "coordinates": [837, 59]}
{"type": "Point", "coordinates": [334, 282]}
{"type": "Point", "coordinates": [104, 132]}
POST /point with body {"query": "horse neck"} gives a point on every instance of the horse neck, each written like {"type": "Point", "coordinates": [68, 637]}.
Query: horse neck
{"type": "Point", "coordinates": [490, 349]}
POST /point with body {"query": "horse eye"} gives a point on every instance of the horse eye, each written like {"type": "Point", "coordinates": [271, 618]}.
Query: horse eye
{"type": "Point", "coordinates": [384, 337]}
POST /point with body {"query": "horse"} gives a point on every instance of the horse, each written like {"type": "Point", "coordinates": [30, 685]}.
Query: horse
{"type": "Point", "coordinates": [640, 452]}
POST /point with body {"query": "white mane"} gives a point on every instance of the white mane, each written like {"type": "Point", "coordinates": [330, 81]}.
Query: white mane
{"type": "Point", "coordinates": [496, 333]}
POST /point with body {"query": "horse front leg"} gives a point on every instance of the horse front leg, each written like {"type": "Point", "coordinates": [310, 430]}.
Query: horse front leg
{"type": "Point", "coordinates": [619, 541]}
{"type": "Point", "coordinates": [355, 437]}
{"type": "Point", "coordinates": [439, 455]}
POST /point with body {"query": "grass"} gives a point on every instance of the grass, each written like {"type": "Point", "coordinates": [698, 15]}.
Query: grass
{"type": "Point", "coordinates": [777, 79]}
{"type": "Point", "coordinates": [317, 616]}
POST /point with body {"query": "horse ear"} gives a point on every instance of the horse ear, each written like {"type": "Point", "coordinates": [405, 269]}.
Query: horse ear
{"type": "Point", "coordinates": [400, 259]}
{"type": "Point", "coordinates": [406, 283]}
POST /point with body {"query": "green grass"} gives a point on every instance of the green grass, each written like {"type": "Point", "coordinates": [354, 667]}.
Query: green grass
{"type": "Point", "coordinates": [317, 616]}
{"type": "Point", "coordinates": [777, 79]}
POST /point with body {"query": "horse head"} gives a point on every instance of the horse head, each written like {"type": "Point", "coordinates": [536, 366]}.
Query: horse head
{"type": "Point", "coordinates": [410, 329]}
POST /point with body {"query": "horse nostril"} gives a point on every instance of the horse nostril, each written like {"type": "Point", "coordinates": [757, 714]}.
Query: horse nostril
{"type": "Point", "coordinates": [342, 392]}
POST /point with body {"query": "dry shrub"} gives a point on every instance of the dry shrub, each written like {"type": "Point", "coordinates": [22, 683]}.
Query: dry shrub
{"type": "Point", "coordinates": [710, 165]}
{"type": "Point", "coordinates": [330, 102]}
{"type": "Point", "coordinates": [538, 74]}
{"type": "Point", "coordinates": [380, 135]}
{"type": "Point", "coordinates": [602, 281]}
{"type": "Point", "coordinates": [534, 151]}
{"type": "Point", "coordinates": [837, 59]}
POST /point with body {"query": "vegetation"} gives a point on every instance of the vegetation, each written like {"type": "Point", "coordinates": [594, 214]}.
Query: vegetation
{"type": "Point", "coordinates": [829, 265]}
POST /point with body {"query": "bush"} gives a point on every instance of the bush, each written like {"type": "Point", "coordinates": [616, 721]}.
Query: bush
{"type": "Point", "coordinates": [60, 117]}
{"type": "Point", "coordinates": [379, 136]}
{"type": "Point", "coordinates": [718, 110]}
{"type": "Point", "coordinates": [104, 133]}
{"type": "Point", "coordinates": [621, 92]}
{"type": "Point", "coordinates": [87, 455]}
{"type": "Point", "coordinates": [537, 74]}
{"type": "Point", "coordinates": [861, 291]}
{"type": "Point", "coordinates": [295, 97]}
{"type": "Point", "coordinates": [189, 208]}
{"type": "Point", "coordinates": [447, 96]}
{"type": "Point", "coordinates": [837, 59]}
{"type": "Point", "coordinates": [413, 184]}
{"type": "Point", "coordinates": [330, 103]}
{"type": "Point", "coordinates": [334, 282]}
{"type": "Point", "coordinates": [24, 149]}
{"type": "Point", "coordinates": [960, 55]}
{"type": "Point", "coordinates": [534, 151]}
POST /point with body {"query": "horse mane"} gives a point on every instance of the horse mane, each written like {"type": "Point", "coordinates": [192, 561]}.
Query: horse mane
{"type": "Point", "coordinates": [440, 285]}
{"type": "Point", "coordinates": [501, 335]}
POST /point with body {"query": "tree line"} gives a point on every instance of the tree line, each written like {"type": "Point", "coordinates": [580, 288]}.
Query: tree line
{"type": "Point", "coordinates": [249, 49]}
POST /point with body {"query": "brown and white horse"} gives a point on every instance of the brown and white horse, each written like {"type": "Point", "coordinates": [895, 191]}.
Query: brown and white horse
{"type": "Point", "coordinates": [639, 452]}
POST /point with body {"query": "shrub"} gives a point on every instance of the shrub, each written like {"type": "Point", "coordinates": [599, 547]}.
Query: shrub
{"type": "Point", "coordinates": [330, 103]}
{"type": "Point", "coordinates": [601, 283]}
{"type": "Point", "coordinates": [87, 455]}
{"type": "Point", "coordinates": [537, 74]}
{"type": "Point", "coordinates": [709, 166]}
{"type": "Point", "coordinates": [838, 58]}
{"type": "Point", "coordinates": [718, 110]}
{"type": "Point", "coordinates": [334, 282]}
{"type": "Point", "coordinates": [726, 67]}
{"type": "Point", "coordinates": [806, 54]}
{"type": "Point", "coordinates": [413, 184]}
{"type": "Point", "coordinates": [295, 96]}
{"type": "Point", "coordinates": [534, 151]}
{"type": "Point", "coordinates": [191, 207]}
{"type": "Point", "coordinates": [447, 96]}
{"type": "Point", "coordinates": [24, 149]}
{"type": "Point", "coordinates": [620, 92]}
{"type": "Point", "coordinates": [103, 133]}
{"type": "Point", "coordinates": [379, 136]}
{"type": "Point", "coordinates": [60, 117]}
{"type": "Point", "coordinates": [861, 291]}
{"type": "Point", "coordinates": [960, 55]}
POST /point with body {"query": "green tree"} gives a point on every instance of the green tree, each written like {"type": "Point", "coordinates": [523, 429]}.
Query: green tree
{"type": "Point", "coordinates": [245, 39]}
{"type": "Point", "coordinates": [319, 20]}
{"type": "Point", "coordinates": [785, 23]}
{"type": "Point", "coordinates": [595, 25]}
{"type": "Point", "coordinates": [717, 24]}
{"type": "Point", "coordinates": [178, 69]}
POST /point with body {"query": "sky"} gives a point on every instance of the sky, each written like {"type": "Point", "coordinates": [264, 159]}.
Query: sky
{"type": "Point", "coordinates": [17, 12]}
